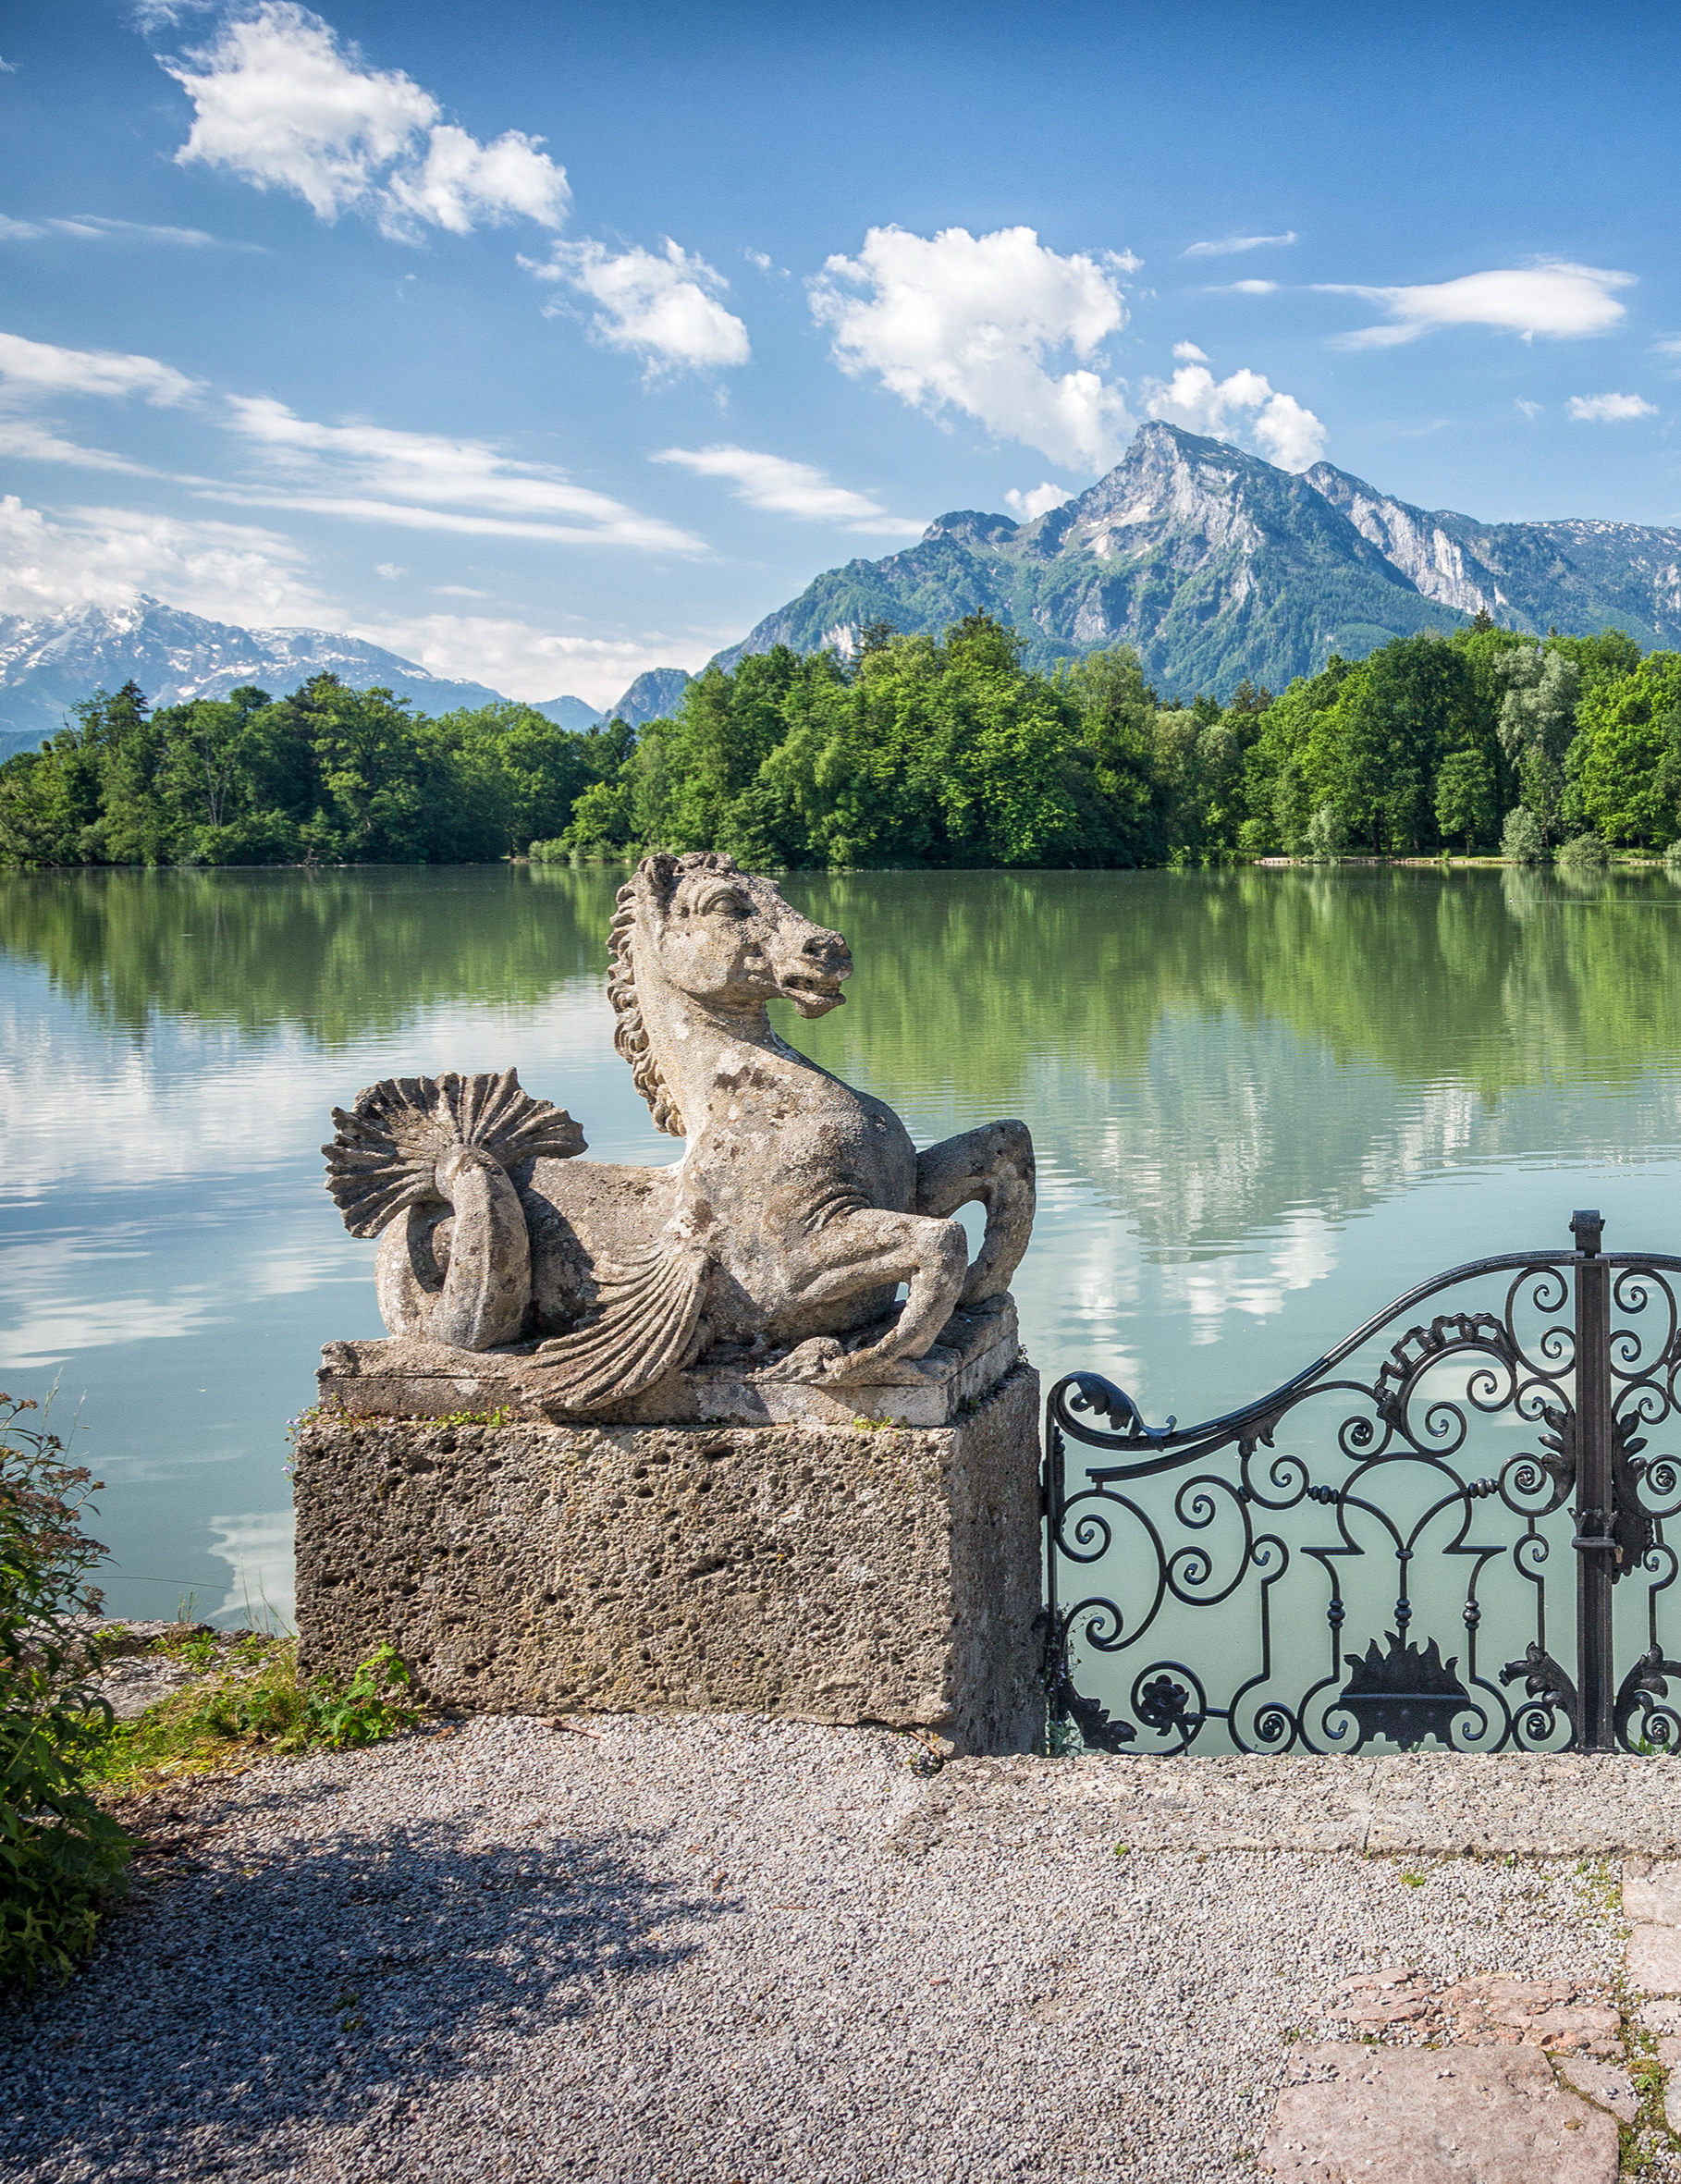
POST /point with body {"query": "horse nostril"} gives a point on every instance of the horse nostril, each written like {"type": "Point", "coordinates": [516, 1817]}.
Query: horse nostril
{"type": "Point", "coordinates": [824, 944]}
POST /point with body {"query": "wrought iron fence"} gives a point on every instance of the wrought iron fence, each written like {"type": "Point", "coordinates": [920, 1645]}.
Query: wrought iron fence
{"type": "Point", "coordinates": [1270, 1522]}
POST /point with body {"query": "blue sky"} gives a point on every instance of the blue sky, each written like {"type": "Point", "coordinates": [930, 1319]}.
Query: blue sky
{"type": "Point", "coordinates": [300, 323]}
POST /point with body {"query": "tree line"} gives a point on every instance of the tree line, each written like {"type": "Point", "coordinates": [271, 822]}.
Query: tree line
{"type": "Point", "coordinates": [918, 751]}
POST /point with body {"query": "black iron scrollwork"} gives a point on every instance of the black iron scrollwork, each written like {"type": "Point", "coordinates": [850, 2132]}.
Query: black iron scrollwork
{"type": "Point", "coordinates": [1390, 1478]}
{"type": "Point", "coordinates": [1546, 1683]}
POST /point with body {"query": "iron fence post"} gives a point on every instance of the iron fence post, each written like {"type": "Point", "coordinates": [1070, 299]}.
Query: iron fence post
{"type": "Point", "coordinates": [1594, 1543]}
{"type": "Point", "coordinates": [1051, 1489]}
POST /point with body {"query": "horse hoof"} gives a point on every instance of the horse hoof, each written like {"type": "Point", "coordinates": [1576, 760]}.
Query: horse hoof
{"type": "Point", "coordinates": [808, 1361]}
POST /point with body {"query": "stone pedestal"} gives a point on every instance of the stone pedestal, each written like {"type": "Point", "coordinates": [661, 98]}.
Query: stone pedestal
{"type": "Point", "coordinates": [819, 1570]}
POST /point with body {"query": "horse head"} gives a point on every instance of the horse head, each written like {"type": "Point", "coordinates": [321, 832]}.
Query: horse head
{"type": "Point", "coordinates": [698, 927]}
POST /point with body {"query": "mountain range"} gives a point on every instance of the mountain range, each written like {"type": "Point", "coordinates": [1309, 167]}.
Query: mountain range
{"type": "Point", "coordinates": [49, 663]}
{"type": "Point", "coordinates": [1215, 564]}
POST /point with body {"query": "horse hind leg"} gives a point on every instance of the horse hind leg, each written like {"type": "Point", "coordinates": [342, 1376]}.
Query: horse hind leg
{"type": "Point", "coordinates": [993, 1167]}
{"type": "Point", "coordinates": [874, 1249]}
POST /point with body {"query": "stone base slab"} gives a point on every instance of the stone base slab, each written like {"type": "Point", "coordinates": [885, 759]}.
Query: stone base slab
{"type": "Point", "coordinates": [403, 1377]}
{"type": "Point", "coordinates": [822, 1571]}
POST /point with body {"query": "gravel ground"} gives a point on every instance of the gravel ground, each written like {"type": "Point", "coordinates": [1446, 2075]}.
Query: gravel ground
{"type": "Point", "coordinates": [718, 1949]}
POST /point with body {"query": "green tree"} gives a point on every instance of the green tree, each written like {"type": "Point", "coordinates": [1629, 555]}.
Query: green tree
{"type": "Point", "coordinates": [1466, 796]}
{"type": "Point", "coordinates": [1413, 704]}
{"type": "Point", "coordinates": [1521, 839]}
{"type": "Point", "coordinates": [1626, 760]}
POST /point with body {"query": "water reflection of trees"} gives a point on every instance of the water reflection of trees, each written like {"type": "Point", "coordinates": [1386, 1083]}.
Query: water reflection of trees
{"type": "Point", "coordinates": [336, 955]}
{"type": "Point", "coordinates": [1484, 980]}
{"type": "Point", "coordinates": [976, 979]}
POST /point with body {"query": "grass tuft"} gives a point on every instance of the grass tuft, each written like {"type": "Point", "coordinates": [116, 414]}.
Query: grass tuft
{"type": "Point", "coordinates": [258, 1701]}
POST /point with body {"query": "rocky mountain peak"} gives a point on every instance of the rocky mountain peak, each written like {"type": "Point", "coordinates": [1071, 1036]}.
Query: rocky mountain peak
{"type": "Point", "coordinates": [971, 527]}
{"type": "Point", "coordinates": [1218, 565]}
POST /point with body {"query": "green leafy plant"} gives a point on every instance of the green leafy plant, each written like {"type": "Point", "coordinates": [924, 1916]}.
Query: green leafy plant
{"type": "Point", "coordinates": [59, 1853]}
{"type": "Point", "coordinates": [259, 1701]}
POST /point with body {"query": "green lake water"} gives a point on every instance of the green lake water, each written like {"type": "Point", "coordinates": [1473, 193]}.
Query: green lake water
{"type": "Point", "coordinates": [1264, 1102]}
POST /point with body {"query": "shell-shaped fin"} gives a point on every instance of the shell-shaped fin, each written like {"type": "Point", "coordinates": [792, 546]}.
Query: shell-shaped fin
{"type": "Point", "coordinates": [385, 1151]}
{"type": "Point", "coordinates": [645, 1313]}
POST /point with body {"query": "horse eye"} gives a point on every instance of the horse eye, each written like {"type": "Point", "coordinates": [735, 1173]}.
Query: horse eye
{"type": "Point", "coordinates": [730, 905]}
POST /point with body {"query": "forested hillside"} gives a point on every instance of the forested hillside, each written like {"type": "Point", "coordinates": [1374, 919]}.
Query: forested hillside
{"type": "Point", "coordinates": [943, 751]}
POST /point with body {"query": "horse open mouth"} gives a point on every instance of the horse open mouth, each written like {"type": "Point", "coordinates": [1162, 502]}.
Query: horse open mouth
{"type": "Point", "coordinates": [812, 993]}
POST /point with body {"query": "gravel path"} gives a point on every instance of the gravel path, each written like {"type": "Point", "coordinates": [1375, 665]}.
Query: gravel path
{"type": "Point", "coordinates": [718, 1949]}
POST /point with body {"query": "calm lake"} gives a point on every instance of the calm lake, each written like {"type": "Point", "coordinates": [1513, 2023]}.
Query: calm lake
{"type": "Point", "coordinates": [1264, 1103]}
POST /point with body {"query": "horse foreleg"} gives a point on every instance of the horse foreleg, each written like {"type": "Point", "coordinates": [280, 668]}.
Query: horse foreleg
{"type": "Point", "coordinates": [872, 1249]}
{"type": "Point", "coordinates": [991, 1167]}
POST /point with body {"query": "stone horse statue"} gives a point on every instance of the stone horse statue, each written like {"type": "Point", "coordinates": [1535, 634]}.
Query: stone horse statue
{"type": "Point", "coordinates": [781, 1238]}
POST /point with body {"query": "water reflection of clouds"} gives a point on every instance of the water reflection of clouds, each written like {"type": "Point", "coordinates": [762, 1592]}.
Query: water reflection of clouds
{"type": "Point", "coordinates": [1234, 1121]}
{"type": "Point", "coordinates": [257, 1546]}
{"type": "Point", "coordinates": [99, 1110]}
{"type": "Point", "coordinates": [1303, 1251]}
{"type": "Point", "coordinates": [54, 1329]}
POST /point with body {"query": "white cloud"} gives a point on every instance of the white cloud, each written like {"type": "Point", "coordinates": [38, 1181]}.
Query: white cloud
{"type": "Point", "coordinates": [1242, 407]}
{"type": "Point", "coordinates": [1669, 346]}
{"type": "Point", "coordinates": [105, 556]}
{"type": "Point", "coordinates": [1610, 408]}
{"type": "Point", "coordinates": [462, 181]}
{"type": "Point", "coordinates": [1038, 501]}
{"type": "Point", "coordinates": [1229, 246]}
{"type": "Point", "coordinates": [390, 570]}
{"type": "Point", "coordinates": [96, 227]}
{"type": "Point", "coordinates": [34, 372]}
{"type": "Point", "coordinates": [280, 103]}
{"type": "Point", "coordinates": [379, 474]}
{"type": "Point", "coordinates": [1252, 288]}
{"type": "Point", "coordinates": [1530, 409]}
{"type": "Point", "coordinates": [1552, 298]}
{"type": "Point", "coordinates": [40, 368]}
{"type": "Point", "coordinates": [665, 308]}
{"type": "Point", "coordinates": [30, 442]}
{"type": "Point", "coordinates": [1187, 353]}
{"type": "Point", "coordinates": [781, 487]}
{"type": "Point", "coordinates": [962, 322]}
{"type": "Point", "coordinates": [534, 664]}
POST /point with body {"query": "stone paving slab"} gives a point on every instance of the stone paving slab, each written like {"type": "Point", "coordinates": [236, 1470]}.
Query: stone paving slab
{"type": "Point", "coordinates": [1435, 2116]}
{"type": "Point", "coordinates": [1448, 1804]}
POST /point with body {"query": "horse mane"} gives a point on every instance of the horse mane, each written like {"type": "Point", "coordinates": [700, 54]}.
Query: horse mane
{"type": "Point", "coordinates": [656, 880]}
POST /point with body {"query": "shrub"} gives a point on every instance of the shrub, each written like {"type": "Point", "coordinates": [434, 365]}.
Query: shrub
{"type": "Point", "coordinates": [59, 1853]}
{"type": "Point", "coordinates": [1521, 839]}
{"type": "Point", "coordinates": [1672, 859]}
{"type": "Point", "coordinates": [1586, 853]}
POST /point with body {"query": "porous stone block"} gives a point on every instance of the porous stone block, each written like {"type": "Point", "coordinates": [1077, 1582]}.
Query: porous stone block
{"type": "Point", "coordinates": [824, 1572]}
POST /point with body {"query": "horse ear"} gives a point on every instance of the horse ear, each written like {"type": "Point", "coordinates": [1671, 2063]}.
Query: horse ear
{"type": "Point", "coordinates": [661, 872]}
